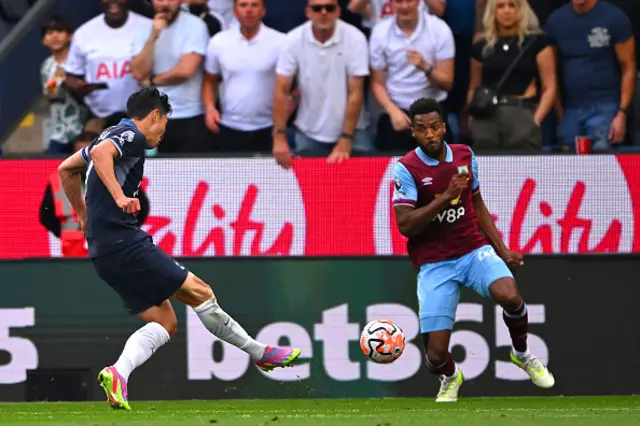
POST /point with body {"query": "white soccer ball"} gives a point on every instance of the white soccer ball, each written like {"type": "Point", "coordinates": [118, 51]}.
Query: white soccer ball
{"type": "Point", "coordinates": [382, 341]}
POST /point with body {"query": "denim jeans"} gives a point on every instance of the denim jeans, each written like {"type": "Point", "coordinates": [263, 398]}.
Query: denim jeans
{"type": "Point", "coordinates": [304, 144]}
{"type": "Point", "coordinates": [593, 121]}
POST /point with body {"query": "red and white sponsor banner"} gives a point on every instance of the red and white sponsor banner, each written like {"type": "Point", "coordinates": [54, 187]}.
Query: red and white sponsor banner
{"type": "Point", "coordinates": [251, 207]}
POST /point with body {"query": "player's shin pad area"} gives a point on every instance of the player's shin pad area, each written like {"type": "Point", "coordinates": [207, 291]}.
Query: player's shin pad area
{"type": "Point", "coordinates": [618, 411]}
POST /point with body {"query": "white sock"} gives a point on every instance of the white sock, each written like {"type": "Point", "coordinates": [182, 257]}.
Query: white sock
{"type": "Point", "coordinates": [140, 346]}
{"type": "Point", "coordinates": [521, 355]}
{"type": "Point", "coordinates": [221, 325]}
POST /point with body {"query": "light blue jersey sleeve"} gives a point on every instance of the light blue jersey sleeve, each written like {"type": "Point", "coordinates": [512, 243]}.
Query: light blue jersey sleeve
{"type": "Point", "coordinates": [474, 170]}
{"type": "Point", "coordinates": [405, 192]}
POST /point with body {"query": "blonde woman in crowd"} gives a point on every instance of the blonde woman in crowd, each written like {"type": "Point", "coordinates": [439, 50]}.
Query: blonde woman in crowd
{"type": "Point", "coordinates": [513, 79]}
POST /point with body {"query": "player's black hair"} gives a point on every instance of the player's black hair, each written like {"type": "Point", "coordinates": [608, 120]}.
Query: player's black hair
{"type": "Point", "coordinates": [425, 106]}
{"type": "Point", "coordinates": [56, 23]}
{"type": "Point", "coordinates": [145, 100]}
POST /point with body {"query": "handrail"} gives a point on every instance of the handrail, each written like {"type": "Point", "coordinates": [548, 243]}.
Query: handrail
{"type": "Point", "coordinates": [22, 28]}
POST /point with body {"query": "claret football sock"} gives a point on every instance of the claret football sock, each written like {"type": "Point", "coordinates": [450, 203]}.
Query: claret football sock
{"type": "Point", "coordinates": [448, 368]}
{"type": "Point", "coordinates": [517, 322]}
{"type": "Point", "coordinates": [221, 325]}
{"type": "Point", "coordinates": [140, 346]}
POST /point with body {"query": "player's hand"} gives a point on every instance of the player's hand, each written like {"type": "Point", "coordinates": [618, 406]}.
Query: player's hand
{"type": "Point", "coordinates": [618, 128]}
{"type": "Point", "coordinates": [340, 152]}
{"type": "Point", "coordinates": [281, 151]}
{"type": "Point", "coordinates": [399, 120]}
{"type": "Point", "coordinates": [159, 23]}
{"type": "Point", "coordinates": [211, 119]}
{"type": "Point", "coordinates": [512, 258]}
{"type": "Point", "coordinates": [459, 182]}
{"type": "Point", "coordinates": [83, 225]}
{"type": "Point", "coordinates": [129, 205]}
{"type": "Point", "coordinates": [416, 59]}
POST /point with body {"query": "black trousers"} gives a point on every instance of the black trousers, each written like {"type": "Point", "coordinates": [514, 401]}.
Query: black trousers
{"type": "Point", "coordinates": [186, 135]}
{"type": "Point", "coordinates": [390, 140]}
{"type": "Point", "coordinates": [232, 140]}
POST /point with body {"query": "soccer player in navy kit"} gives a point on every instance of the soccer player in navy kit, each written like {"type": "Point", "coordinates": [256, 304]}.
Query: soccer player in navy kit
{"type": "Point", "coordinates": [124, 255]}
{"type": "Point", "coordinates": [453, 242]}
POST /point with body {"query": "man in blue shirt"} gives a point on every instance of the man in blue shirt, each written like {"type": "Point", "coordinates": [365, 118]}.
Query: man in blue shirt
{"type": "Point", "coordinates": [596, 49]}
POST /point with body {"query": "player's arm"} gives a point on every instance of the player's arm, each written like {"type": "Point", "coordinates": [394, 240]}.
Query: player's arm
{"type": "Point", "coordinates": [102, 156]}
{"type": "Point", "coordinates": [487, 225]}
{"type": "Point", "coordinates": [70, 172]}
{"type": "Point", "coordinates": [412, 220]}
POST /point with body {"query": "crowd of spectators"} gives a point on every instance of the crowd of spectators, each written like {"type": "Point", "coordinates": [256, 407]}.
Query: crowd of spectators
{"type": "Point", "coordinates": [336, 77]}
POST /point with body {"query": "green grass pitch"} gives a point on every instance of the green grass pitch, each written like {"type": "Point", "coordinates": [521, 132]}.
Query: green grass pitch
{"type": "Point", "coordinates": [563, 411]}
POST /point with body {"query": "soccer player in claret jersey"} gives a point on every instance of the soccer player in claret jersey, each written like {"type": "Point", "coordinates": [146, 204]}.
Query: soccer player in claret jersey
{"type": "Point", "coordinates": [125, 257]}
{"type": "Point", "coordinates": [453, 242]}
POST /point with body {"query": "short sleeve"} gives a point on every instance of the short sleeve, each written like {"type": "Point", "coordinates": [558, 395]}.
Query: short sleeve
{"type": "Point", "coordinates": [142, 35]}
{"type": "Point", "coordinates": [288, 62]}
{"type": "Point", "coordinates": [474, 169]}
{"type": "Point", "coordinates": [129, 143]}
{"type": "Point", "coordinates": [376, 50]}
{"type": "Point", "coordinates": [84, 153]}
{"type": "Point", "coordinates": [76, 60]}
{"type": "Point", "coordinates": [405, 192]}
{"type": "Point", "coordinates": [197, 38]}
{"type": "Point", "coordinates": [212, 63]}
{"type": "Point", "coordinates": [133, 144]}
{"type": "Point", "coordinates": [445, 45]}
{"type": "Point", "coordinates": [551, 30]}
{"type": "Point", "coordinates": [541, 42]}
{"type": "Point", "coordinates": [476, 50]}
{"type": "Point", "coordinates": [621, 29]}
{"type": "Point", "coordinates": [358, 58]}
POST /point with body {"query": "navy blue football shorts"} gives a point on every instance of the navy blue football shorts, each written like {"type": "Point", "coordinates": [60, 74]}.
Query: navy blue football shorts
{"type": "Point", "coordinates": [142, 274]}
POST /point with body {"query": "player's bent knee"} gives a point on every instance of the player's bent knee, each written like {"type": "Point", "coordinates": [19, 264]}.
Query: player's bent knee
{"type": "Point", "coordinates": [171, 327]}
{"type": "Point", "coordinates": [194, 291]}
{"type": "Point", "coordinates": [505, 292]}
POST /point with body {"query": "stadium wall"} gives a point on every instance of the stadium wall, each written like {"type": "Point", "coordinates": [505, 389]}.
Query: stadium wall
{"type": "Point", "coordinates": [59, 324]}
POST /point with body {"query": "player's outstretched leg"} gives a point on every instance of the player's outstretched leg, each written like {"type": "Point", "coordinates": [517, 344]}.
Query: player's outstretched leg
{"type": "Point", "coordinates": [441, 363]}
{"type": "Point", "coordinates": [197, 294]}
{"type": "Point", "coordinates": [505, 292]}
{"type": "Point", "coordinates": [161, 325]}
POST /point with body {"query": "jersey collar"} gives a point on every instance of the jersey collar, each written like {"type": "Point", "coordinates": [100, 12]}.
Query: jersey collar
{"type": "Point", "coordinates": [128, 122]}
{"type": "Point", "coordinates": [448, 158]}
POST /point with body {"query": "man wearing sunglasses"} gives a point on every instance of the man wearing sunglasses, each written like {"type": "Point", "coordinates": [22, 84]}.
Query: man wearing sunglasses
{"type": "Point", "coordinates": [329, 59]}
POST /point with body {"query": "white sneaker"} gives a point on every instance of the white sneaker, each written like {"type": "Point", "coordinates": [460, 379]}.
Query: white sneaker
{"type": "Point", "coordinates": [539, 374]}
{"type": "Point", "coordinates": [449, 387]}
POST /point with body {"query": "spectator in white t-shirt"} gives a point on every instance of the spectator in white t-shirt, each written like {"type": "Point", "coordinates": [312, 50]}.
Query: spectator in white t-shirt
{"type": "Point", "coordinates": [169, 53]}
{"type": "Point", "coordinates": [329, 60]}
{"type": "Point", "coordinates": [245, 59]}
{"type": "Point", "coordinates": [98, 67]}
{"type": "Point", "coordinates": [412, 57]}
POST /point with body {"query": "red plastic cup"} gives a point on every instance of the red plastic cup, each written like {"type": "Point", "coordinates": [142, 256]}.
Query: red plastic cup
{"type": "Point", "coordinates": [583, 145]}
